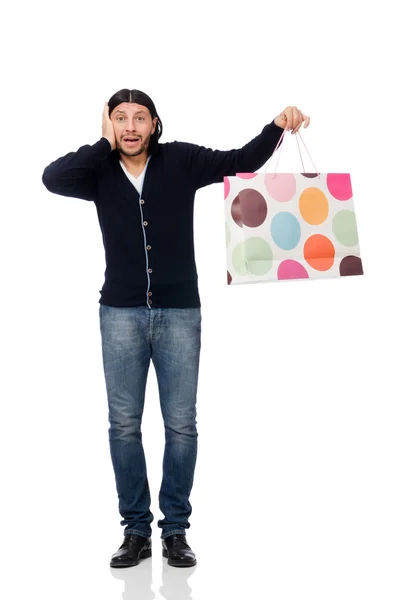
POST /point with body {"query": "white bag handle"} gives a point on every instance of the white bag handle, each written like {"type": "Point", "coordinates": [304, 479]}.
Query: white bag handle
{"type": "Point", "coordinates": [278, 144]}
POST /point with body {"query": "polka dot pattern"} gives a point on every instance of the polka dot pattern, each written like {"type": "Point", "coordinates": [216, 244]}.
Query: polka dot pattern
{"type": "Point", "coordinates": [313, 206]}
{"type": "Point", "coordinates": [226, 187]}
{"type": "Point", "coordinates": [345, 228]}
{"type": "Point", "coordinates": [252, 256]}
{"type": "Point", "coordinates": [339, 185]}
{"type": "Point", "coordinates": [290, 226]}
{"type": "Point", "coordinates": [291, 269]}
{"type": "Point", "coordinates": [249, 208]}
{"type": "Point", "coordinates": [281, 187]}
{"type": "Point", "coordinates": [247, 175]}
{"type": "Point", "coordinates": [285, 230]}
{"type": "Point", "coordinates": [258, 256]}
{"type": "Point", "coordinates": [319, 252]}
{"type": "Point", "coordinates": [228, 234]}
{"type": "Point", "coordinates": [351, 265]}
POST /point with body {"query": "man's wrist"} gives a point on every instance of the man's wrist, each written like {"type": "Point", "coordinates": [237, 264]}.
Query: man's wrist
{"type": "Point", "coordinates": [109, 142]}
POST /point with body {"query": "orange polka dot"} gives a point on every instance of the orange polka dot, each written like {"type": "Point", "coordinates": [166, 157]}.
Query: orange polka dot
{"type": "Point", "coordinates": [313, 205]}
{"type": "Point", "coordinates": [319, 252]}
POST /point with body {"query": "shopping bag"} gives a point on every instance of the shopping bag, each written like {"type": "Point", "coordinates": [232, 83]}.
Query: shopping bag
{"type": "Point", "coordinates": [290, 225]}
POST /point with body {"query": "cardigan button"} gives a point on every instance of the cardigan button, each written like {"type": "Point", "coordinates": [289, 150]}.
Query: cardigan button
{"type": "Point", "coordinates": [150, 302]}
{"type": "Point", "coordinates": [145, 223]}
{"type": "Point", "coordinates": [148, 247]}
{"type": "Point", "coordinates": [149, 270]}
{"type": "Point", "coordinates": [150, 294]}
{"type": "Point", "coordinates": [142, 202]}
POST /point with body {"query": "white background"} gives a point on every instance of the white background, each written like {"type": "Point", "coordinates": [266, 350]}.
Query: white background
{"type": "Point", "coordinates": [295, 485]}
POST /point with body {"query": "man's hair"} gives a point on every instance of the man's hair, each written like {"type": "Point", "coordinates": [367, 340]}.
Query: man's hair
{"type": "Point", "coordinates": [139, 97]}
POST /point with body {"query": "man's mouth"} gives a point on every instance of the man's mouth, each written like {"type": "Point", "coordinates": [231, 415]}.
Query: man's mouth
{"type": "Point", "coordinates": [131, 141]}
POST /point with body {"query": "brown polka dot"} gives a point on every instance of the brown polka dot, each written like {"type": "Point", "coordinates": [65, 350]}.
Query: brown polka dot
{"type": "Point", "coordinates": [351, 265]}
{"type": "Point", "coordinates": [229, 278]}
{"type": "Point", "coordinates": [236, 211]}
{"type": "Point", "coordinates": [249, 208]}
{"type": "Point", "coordinates": [309, 174]}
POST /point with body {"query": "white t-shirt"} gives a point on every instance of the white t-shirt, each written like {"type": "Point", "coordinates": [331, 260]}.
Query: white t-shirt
{"type": "Point", "coordinates": [136, 181]}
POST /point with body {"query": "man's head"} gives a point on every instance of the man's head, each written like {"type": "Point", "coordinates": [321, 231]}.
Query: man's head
{"type": "Point", "coordinates": [134, 115]}
{"type": "Point", "coordinates": [132, 122]}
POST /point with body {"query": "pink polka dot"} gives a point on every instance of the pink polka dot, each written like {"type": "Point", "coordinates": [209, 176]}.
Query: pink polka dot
{"type": "Point", "coordinates": [281, 187]}
{"type": "Point", "coordinates": [226, 186]}
{"type": "Point", "coordinates": [291, 269]}
{"type": "Point", "coordinates": [246, 175]}
{"type": "Point", "coordinates": [339, 185]}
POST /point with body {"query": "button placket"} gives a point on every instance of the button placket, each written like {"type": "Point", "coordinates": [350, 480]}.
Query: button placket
{"type": "Point", "coordinates": [145, 223]}
{"type": "Point", "coordinates": [147, 247]}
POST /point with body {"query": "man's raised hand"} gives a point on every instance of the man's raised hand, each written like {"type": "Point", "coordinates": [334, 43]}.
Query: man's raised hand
{"type": "Point", "coordinates": [291, 119]}
{"type": "Point", "coordinates": [107, 127]}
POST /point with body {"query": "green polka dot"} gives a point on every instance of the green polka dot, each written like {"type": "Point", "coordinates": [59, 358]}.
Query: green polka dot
{"type": "Point", "coordinates": [345, 228]}
{"type": "Point", "coordinates": [238, 258]}
{"type": "Point", "coordinates": [259, 256]}
{"type": "Point", "coordinates": [252, 256]}
{"type": "Point", "coordinates": [228, 236]}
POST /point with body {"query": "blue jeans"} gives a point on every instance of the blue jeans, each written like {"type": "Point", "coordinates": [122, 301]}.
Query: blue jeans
{"type": "Point", "coordinates": [171, 337]}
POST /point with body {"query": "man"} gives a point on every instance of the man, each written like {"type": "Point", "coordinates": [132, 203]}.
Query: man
{"type": "Point", "coordinates": [150, 306]}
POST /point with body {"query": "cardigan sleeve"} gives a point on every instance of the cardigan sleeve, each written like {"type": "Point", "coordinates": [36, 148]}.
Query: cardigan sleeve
{"type": "Point", "coordinates": [76, 174]}
{"type": "Point", "coordinates": [206, 166]}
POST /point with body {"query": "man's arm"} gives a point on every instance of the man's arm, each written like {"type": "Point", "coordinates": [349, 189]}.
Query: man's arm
{"type": "Point", "coordinates": [76, 174]}
{"type": "Point", "coordinates": [206, 166]}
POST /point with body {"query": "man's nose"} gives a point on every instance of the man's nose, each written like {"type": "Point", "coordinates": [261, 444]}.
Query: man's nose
{"type": "Point", "coordinates": [130, 125]}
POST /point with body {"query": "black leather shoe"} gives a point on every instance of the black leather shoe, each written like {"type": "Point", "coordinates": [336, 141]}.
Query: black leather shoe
{"type": "Point", "coordinates": [178, 551]}
{"type": "Point", "coordinates": [132, 550]}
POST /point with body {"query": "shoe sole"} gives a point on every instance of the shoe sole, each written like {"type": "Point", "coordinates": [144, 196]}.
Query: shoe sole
{"type": "Point", "coordinates": [179, 563]}
{"type": "Point", "coordinates": [121, 565]}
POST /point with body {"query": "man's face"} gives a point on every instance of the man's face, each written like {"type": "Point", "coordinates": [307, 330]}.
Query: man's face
{"type": "Point", "coordinates": [132, 120]}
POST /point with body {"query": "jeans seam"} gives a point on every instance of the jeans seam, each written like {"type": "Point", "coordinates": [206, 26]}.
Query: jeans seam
{"type": "Point", "coordinates": [146, 535]}
{"type": "Point", "coordinates": [173, 533]}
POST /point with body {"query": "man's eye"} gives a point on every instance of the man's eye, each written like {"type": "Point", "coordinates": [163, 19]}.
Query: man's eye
{"type": "Point", "coordinates": [143, 118]}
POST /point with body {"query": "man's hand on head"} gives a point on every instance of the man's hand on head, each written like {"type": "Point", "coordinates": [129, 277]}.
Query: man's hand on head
{"type": "Point", "coordinates": [107, 127]}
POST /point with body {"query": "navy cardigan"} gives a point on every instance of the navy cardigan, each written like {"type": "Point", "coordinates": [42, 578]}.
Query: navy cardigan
{"type": "Point", "coordinates": [148, 237]}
